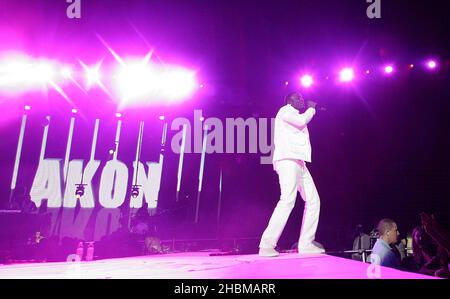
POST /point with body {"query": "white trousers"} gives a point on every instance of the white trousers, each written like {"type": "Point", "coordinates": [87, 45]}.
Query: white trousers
{"type": "Point", "coordinates": [293, 176]}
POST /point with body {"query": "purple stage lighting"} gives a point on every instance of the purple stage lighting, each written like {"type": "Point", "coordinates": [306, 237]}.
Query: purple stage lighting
{"type": "Point", "coordinates": [367, 72]}
{"type": "Point", "coordinates": [346, 74]}
{"type": "Point", "coordinates": [431, 64]}
{"type": "Point", "coordinates": [161, 117]}
{"type": "Point", "coordinates": [66, 72]}
{"type": "Point", "coordinates": [92, 74]}
{"type": "Point", "coordinates": [388, 69]}
{"type": "Point", "coordinates": [118, 115]}
{"type": "Point", "coordinates": [306, 81]}
{"type": "Point", "coordinates": [27, 107]}
{"type": "Point", "coordinates": [140, 82]}
{"type": "Point", "coordinates": [74, 111]}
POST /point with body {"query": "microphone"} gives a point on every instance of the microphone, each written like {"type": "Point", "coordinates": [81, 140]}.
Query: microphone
{"type": "Point", "coordinates": [319, 107]}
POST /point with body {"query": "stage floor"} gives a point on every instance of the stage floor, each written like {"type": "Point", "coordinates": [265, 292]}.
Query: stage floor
{"type": "Point", "coordinates": [200, 265]}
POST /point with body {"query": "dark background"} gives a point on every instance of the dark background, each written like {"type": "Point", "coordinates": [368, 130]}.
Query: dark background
{"type": "Point", "coordinates": [381, 150]}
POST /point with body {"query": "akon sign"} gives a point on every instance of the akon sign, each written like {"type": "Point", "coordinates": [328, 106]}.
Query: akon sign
{"type": "Point", "coordinates": [58, 180]}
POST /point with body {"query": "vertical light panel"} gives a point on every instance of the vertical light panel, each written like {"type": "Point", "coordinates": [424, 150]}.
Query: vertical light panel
{"type": "Point", "coordinates": [119, 126]}
{"type": "Point", "coordinates": [68, 147]}
{"type": "Point", "coordinates": [44, 139]}
{"type": "Point", "coordinates": [180, 163]}
{"type": "Point", "coordinates": [219, 204]}
{"type": "Point", "coordinates": [18, 152]}
{"type": "Point", "coordinates": [200, 173]}
{"type": "Point", "coordinates": [94, 139]}
{"type": "Point", "coordinates": [202, 160]}
{"type": "Point", "coordinates": [138, 151]}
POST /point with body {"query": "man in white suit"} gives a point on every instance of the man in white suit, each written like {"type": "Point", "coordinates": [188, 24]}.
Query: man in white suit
{"type": "Point", "coordinates": [292, 151]}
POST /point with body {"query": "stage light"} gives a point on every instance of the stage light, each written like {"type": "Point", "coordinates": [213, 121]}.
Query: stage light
{"type": "Point", "coordinates": [43, 72]}
{"type": "Point", "coordinates": [134, 81]}
{"type": "Point", "coordinates": [202, 118]}
{"type": "Point", "coordinates": [367, 72]}
{"type": "Point", "coordinates": [388, 69]}
{"type": "Point", "coordinates": [111, 152]}
{"type": "Point", "coordinates": [161, 117]}
{"type": "Point", "coordinates": [66, 72]}
{"type": "Point", "coordinates": [27, 107]}
{"type": "Point", "coordinates": [431, 64]}
{"type": "Point", "coordinates": [286, 83]}
{"type": "Point", "coordinates": [175, 83]}
{"type": "Point", "coordinates": [411, 66]}
{"type": "Point", "coordinates": [140, 82]}
{"type": "Point", "coordinates": [346, 74]}
{"type": "Point", "coordinates": [306, 81]}
{"type": "Point", "coordinates": [74, 111]}
{"type": "Point", "coordinates": [118, 115]}
{"type": "Point", "coordinates": [92, 74]}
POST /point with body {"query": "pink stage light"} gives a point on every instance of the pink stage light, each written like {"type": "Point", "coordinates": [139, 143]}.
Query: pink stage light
{"type": "Point", "coordinates": [74, 111]}
{"type": "Point", "coordinates": [388, 69]}
{"type": "Point", "coordinates": [367, 72]}
{"type": "Point", "coordinates": [20, 73]}
{"type": "Point", "coordinates": [92, 74]}
{"type": "Point", "coordinates": [306, 81]}
{"type": "Point", "coordinates": [118, 115]}
{"type": "Point", "coordinates": [286, 83]}
{"type": "Point", "coordinates": [66, 72]}
{"type": "Point", "coordinates": [431, 64]}
{"type": "Point", "coordinates": [27, 107]}
{"type": "Point", "coordinates": [161, 117]}
{"type": "Point", "coordinates": [346, 74]}
{"type": "Point", "coordinates": [140, 83]}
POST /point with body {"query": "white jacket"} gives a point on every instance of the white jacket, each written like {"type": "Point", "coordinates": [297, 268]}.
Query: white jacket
{"type": "Point", "coordinates": [291, 136]}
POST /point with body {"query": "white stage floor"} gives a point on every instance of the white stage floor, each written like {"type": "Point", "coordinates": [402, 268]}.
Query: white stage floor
{"type": "Point", "coordinates": [200, 265]}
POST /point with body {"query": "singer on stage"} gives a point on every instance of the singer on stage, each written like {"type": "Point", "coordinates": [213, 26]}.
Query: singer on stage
{"type": "Point", "coordinates": [292, 151]}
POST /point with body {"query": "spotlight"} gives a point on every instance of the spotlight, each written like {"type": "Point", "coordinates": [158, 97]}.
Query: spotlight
{"type": "Point", "coordinates": [118, 115]}
{"type": "Point", "coordinates": [411, 66]}
{"type": "Point", "coordinates": [79, 192]}
{"type": "Point", "coordinates": [202, 118]}
{"type": "Point", "coordinates": [367, 72]}
{"type": "Point", "coordinates": [74, 111]}
{"type": "Point", "coordinates": [66, 72]}
{"type": "Point", "coordinates": [92, 73]}
{"type": "Point", "coordinates": [431, 64]}
{"type": "Point", "coordinates": [43, 72]}
{"type": "Point", "coordinates": [346, 74]}
{"type": "Point", "coordinates": [388, 69]}
{"type": "Point", "coordinates": [161, 117]}
{"type": "Point", "coordinates": [306, 81]}
{"type": "Point", "coordinates": [201, 85]}
{"type": "Point", "coordinates": [286, 83]}
{"type": "Point", "coordinates": [27, 107]}
{"type": "Point", "coordinates": [111, 152]}
{"type": "Point", "coordinates": [135, 190]}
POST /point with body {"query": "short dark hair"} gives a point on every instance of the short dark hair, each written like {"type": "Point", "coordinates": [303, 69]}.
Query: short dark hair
{"type": "Point", "coordinates": [384, 225]}
{"type": "Point", "coordinates": [287, 98]}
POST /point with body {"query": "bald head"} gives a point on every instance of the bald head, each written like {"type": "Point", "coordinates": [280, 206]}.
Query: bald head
{"type": "Point", "coordinates": [388, 230]}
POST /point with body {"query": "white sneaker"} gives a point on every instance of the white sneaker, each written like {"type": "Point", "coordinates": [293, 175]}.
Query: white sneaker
{"type": "Point", "coordinates": [311, 248]}
{"type": "Point", "coordinates": [268, 252]}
